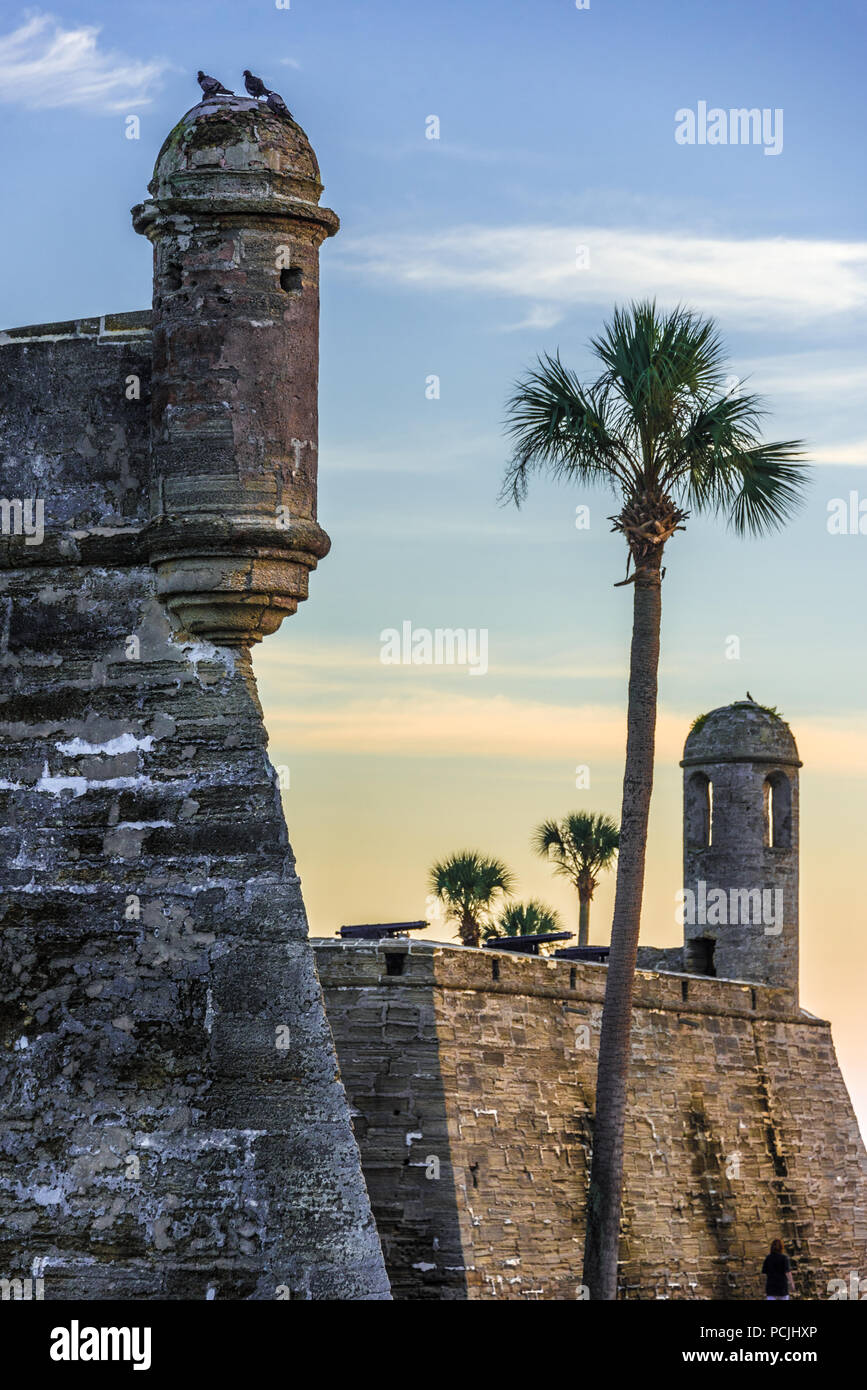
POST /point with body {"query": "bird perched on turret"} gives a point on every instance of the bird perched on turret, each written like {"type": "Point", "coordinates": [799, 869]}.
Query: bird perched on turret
{"type": "Point", "coordinates": [210, 86]}
{"type": "Point", "coordinates": [276, 104]}
{"type": "Point", "coordinates": [255, 86]}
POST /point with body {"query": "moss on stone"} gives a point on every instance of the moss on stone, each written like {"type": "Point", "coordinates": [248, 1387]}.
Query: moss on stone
{"type": "Point", "coordinates": [701, 719]}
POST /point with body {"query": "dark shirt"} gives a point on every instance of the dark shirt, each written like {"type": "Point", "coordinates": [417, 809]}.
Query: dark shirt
{"type": "Point", "coordinates": [776, 1267]}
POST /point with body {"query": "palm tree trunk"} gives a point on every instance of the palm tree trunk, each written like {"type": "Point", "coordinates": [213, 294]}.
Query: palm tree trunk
{"type": "Point", "coordinates": [583, 921]}
{"type": "Point", "coordinates": [606, 1174]}
{"type": "Point", "coordinates": [470, 931]}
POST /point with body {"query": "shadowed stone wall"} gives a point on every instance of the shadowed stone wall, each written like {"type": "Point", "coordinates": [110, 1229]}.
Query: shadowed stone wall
{"type": "Point", "coordinates": [740, 1127]}
{"type": "Point", "coordinates": [172, 1123]}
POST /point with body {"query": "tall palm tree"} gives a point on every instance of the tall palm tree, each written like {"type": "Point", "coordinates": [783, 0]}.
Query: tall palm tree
{"type": "Point", "coordinates": [659, 427]}
{"type": "Point", "coordinates": [579, 847]}
{"type": "Point", "coordinates": [524, 919]}
{"type": "Point", "coordinates": [469, 885]}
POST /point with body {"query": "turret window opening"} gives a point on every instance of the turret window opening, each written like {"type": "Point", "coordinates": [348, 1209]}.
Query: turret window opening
{"type": "Point", "coordinates": [700, 956]}
{"type": "Point", "coordinates": [699, 811]}
{"type": "Point", "coordinates": [778, 811]}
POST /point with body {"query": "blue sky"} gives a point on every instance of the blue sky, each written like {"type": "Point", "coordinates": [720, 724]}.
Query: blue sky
{"type": "Point", "coordinates": [458, 257]}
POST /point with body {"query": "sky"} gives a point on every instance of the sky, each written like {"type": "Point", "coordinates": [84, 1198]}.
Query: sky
{"type": "Point", "coordinates": [557, 188]}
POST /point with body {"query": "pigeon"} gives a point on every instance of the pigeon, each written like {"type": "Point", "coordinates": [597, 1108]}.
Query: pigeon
{"type": "Point", "coordinates": [255, 86]}
{"type": "Point", "coordinates": [210, 86]}
{"type": "Point", "coordinates": [276, 104]}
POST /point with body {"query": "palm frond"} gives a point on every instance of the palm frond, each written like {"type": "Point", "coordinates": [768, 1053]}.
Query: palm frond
{"type": "Point", "coordinates": [718, 464]}
{"type": "Point", "coordinates": [658, 424]}
{"type": "Point", "coordinates": [581, 844]}
{"type": "Point", "coordinates": [558, 425]}
{"type": "Point", "coordinates": [532, 918]}
{"type": "Point", "coordinates": [772, 485]}
{"type": "Point", "coordinates": [469, 882]}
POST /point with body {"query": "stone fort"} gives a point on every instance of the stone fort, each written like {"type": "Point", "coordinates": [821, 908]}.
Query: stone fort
{"type": "Point", "coordinates": [196, 1100]}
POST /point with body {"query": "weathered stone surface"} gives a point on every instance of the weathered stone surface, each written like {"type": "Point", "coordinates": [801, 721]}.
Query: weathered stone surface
{"type": "Point", "coordinates": [172, 1123]}
{"type": "Point", "coordinates": [660, 958]}
{"type": "Point", "coordinates": [740, 783]}
{"type": "Point", "coordinates": [236, 226]}
{"type": "Point", "coordinates": [740, 1127]}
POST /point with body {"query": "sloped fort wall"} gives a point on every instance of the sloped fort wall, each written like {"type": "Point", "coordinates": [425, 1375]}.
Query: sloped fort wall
{"type": "Point", "coordinates": [172, 1124]}
{"type": "Point", "coordinates": [471, 1076]}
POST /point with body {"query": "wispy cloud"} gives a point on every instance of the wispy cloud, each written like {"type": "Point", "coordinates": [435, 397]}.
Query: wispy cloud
{"type": "Point", "coordinates": [539, 317]}
{"type": "Point", "coordinates": [830, 374]}
{"type": "Point", "coordinates": [44, 65]}
{"type": "Point", "coordinates": [415, 719]}
{"type": "Point", "coordinates": [280, 663]}
{"type": "Point", "coordinates": [460, 725]}
{"type": "Point", "coordinates": [854, 453]}
{"type": "Point", "coordinates": [751, 281]}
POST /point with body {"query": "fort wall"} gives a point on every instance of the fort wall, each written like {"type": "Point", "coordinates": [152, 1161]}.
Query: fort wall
{"type": "Point", "coordinates": [471, 1076]}
{"type": "Point", "coordinates": [172, 1123]}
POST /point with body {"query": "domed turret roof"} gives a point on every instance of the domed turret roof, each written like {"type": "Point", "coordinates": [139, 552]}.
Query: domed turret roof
{"type": "Point", "coordinates": [741, 732]}
{"type": "Point", "coordinates": [230, 148]}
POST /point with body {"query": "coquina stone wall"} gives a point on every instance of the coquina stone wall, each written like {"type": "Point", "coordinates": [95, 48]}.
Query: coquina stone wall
{"type": "Point", "coordinates": [171, 1120]}
{"type": "Point", "coordinates": [740, 846]}
{"type": "Point", "coordinates": [471, 1075]}
{"type": "Point", "coordinates": [172, 1123]}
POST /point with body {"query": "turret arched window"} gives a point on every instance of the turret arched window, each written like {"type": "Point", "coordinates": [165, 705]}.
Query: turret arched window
{"type": "Point", "coordinates": [778, 811]}
{"type": "Point", "coordinates": [699, 811]}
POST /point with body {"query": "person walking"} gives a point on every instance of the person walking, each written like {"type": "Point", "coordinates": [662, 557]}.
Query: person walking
{"type": "Point", "coordinates": [779, 1283]}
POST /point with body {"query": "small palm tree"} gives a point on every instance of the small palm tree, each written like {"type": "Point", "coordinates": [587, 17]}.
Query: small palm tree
{"type": "Point", "coordinates": [469, 885]}
{"type": "Point", "coordinates": [524, 919]}
{"type": "Point", "coordinates": [579, 847]}
{"type": "Point", "coordinates": [659, 427]}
